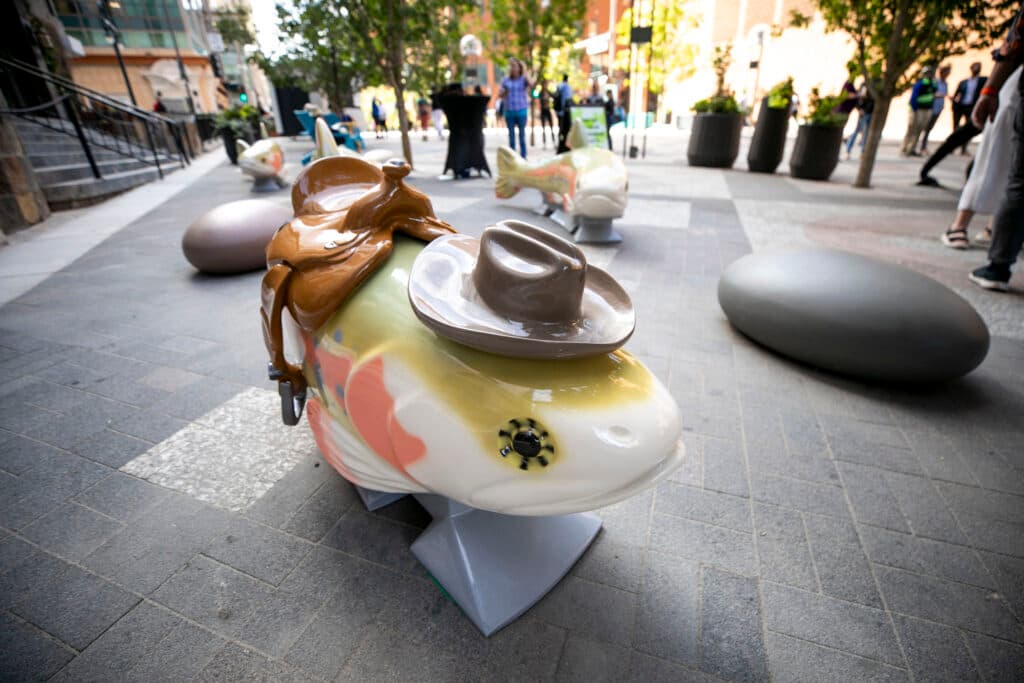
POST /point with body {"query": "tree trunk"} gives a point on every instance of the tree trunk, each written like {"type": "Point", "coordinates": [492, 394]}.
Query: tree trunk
{"type": "Point", "coordinates": [867, 159]}
{"type": "Point", "coordinates": [403, 119]}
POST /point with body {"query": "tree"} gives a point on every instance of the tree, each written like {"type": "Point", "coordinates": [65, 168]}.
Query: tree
{"type": "Point", "coordinates": [893, 38]}
{"type": "Point", "coordinates": [372, 42]}
{"type": "Point", "coordinates": [673, 48]}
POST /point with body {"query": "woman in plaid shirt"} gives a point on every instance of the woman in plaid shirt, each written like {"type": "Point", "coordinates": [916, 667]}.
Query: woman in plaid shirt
{"type": "Point", "coordinates": [514, 92]}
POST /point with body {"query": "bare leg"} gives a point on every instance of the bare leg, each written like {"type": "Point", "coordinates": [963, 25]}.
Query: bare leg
{"type": "Point", "coordinates": [962, 220]}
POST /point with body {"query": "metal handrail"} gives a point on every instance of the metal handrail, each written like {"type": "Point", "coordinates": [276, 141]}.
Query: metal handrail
{"type": "Point", "coordinates": [98, 120]}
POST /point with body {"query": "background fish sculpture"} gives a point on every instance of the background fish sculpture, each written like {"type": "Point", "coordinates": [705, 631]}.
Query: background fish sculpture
{"type": "Point", "coordinates": [586, 181]}
{"type": "Point", "coordinates": [264, 162]}
{"type": "Point", "coordinates": [326, 146]}
{"type": "Point", "coordinates": [396, 408]}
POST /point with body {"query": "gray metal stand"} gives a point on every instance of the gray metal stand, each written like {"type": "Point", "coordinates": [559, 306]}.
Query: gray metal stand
{"type": "Point", "coordinates": [583, 230]}
{"type": "Point", "coordinates": [374, 500]}
{"type": "Point", "coordinates": [497, 566]}
{"type": "Point", "coordinates": [265, 185]}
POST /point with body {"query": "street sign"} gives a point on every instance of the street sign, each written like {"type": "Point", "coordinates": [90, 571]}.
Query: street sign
{"type": "Point", "coordinates": [216, 41]}
{"type": "Point", "coordinates": [640, 35]}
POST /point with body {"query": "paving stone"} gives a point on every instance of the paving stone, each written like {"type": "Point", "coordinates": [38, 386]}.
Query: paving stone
{"type": "Point", "coordinates": [279, 621]}
{"type": "Point", "coordinates": [134, 638]}
{"type": "Point", "coordinates": [782, 547]}
{"type": "Point", "coordinates": [375, 539]}
{"type": "Point", "coordinates": [71, 531]}
{"type": "Point", "coordinates": [691, 472]}
{"type": "Point", "coordinates": [196, 400]}
{"type": "Point", "coordinates": [63, 476]}
{"type": "Point", "coordinates": [935, 652]}
{"type": "Point", "coordinates": [593, 610]}
{"type": "Point", "coordinates": [863, 631]}
{"type": "Point", "coordinates": [925, 556]}
{"type": "Point", "coordinates": [956, 604]}
{"type": "Point", "coordinates": [799, 495]}
{"type": "Point", "coordinates": [709, 507]}
{"type": "Point", "coordinates": [111, 448]}
{"type": "Point", "coordinates": [71, 604]}
{"type": "Point", "coordinates": [180, 656]}
{"type": "Point", "coordinates": [170, 379]}
{"type": "Point", "coordinates": [730, 550]}
{"type": "Point", "coordinates": [589, 661]}
{"type": "Point", "coordinates": [54, 396]}
{"type": "Point", "coordinates": [1009, 575]}
{"type": "Point", "coordinates": [796, 660]}
{"type": "Point", "coordinates": [938, 457]}
{"type": "Point", "coordinates": [14, 551]}
{"type": "Point", "coordinates": [28, 654]}
{"type": "Point", "coordinates": [147, 425]}
{"type": "Point", "coordinates": [288, 495]}
{"type": "Point", "coordinates": [877, 455]}
{"type": "Point", "coordinates": [924, 508]}
{"type": "Point", "coordinates": [18, 454]}
{"type": "Point", "coordinates": [20, 507]}
{"type": "Point", "coordinates": [872, 501]}
{"type": "Point", "coordinates": [629, 520]}
{"type": "Point", "coordinates": [998, 660]}
{"type": "Point", "coordinates": [70, 374]}
{"type": "Point", "coordinates": [122, 497]}
{"type": "Point", "coordinates": [239, 664]}
{"type": "Point", "coordinates": [731, 640]}
{"type": "Point", "coordinates": [725, 469]}
{"type": "Point", "coordinates": [611, 562]}
{"type": "Point", "coordinates": [213, 594]}
{"type": "Point", "coordinates": [803, 433]}
{"type": "Point", "coordinates": [668, 614]}
{"type": "Point", "coordinates": [840, 561]}
{"type": "Point", "coordinates": [654, 670]}
{"type": "Point", "coordinates": [258, 551]}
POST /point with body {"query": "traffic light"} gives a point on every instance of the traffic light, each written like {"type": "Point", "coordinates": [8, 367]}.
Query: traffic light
{"type": "Point", "coordinates": [536, 92]}
{"type": "Point", "coordinates": [243, 98]}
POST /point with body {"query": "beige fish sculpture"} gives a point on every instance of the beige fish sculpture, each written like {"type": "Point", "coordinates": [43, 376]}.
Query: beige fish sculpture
{"type": "Point", "coordinates": [326, 146]}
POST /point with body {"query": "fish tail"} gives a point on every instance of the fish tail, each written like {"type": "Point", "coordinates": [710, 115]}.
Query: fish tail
{"type": "Point", "coordinates": [508, 164]}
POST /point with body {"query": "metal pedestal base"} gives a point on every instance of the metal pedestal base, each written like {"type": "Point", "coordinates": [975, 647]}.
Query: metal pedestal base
{"type": "Point", "coordinates": [266, 185]}
{"type": "Point", "coordinates": [583, 230]}
{"type": "Point", "coordinates": [497, 566]}
{"type": "Point", "coordinates": [374, 500]}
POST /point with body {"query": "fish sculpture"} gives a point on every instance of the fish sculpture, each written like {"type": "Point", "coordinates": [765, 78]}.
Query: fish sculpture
{"type": "Point", "coordinates": [326, 146]}
{"type": "Point", "coordinates": [396, 407]}
{"type": "Point", "coordinates": [263, 160]}
{"type": "Point", "coordinates": [586, 182]}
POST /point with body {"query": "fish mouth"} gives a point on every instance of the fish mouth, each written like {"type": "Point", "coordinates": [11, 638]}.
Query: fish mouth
{"type": "Point", "coordinates": [255, 168]}
{"type": "Point", "coordinates": [596, 204]}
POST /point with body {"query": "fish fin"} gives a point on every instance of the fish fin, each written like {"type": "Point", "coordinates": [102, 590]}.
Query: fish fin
{"type": "Point", "coordinates": [577, 136]}
{"type": "Point", "coordinates": [508, 163]}
{"type": "Point", "coordinates": [325, 144]}
{"type": "Point", "coordinates": [241, 145]}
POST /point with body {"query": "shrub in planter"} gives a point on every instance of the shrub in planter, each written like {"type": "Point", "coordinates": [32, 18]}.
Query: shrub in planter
{"type": "Point", "coordinates": [819, 139]}
{"type": "Point", "coordinates": [769, 141]}
{"type": "Point", "coordinates": [237, 122]}
{"type": "Point", "coordinates": [715, 137]}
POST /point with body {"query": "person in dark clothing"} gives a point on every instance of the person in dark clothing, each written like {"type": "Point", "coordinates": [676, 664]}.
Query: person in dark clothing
{"type": "Point", "coordinates": [159, 106]}
{"type": "Point", "coordinates": [966, 94]}
{"type": "Point", "coordinates": [563, 106]}
{"type": "Point", "coordinates": [960, 137]}
{"type": "Point", "coordinates": [546, 119]}
{"type": "Point", "coordinates": [1008, 223]}
{"type": "Point", "coordinates": [609, 114]}
{"type": "Point", "coordinates": [921, 97]}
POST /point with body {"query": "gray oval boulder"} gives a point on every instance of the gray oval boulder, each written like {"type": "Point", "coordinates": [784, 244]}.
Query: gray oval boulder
{"type": "Point", "coordinates": [233, 237]}
{"type": "Point", "coordinates": [854, 315]}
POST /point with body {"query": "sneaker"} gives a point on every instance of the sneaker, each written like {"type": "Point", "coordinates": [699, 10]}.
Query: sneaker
{"type": "Point", "coordinates": [996, 278]}
{"type": "Point", "coordinates": [928, 181]}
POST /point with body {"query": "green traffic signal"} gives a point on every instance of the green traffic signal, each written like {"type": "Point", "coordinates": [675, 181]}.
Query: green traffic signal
{"type": "Point", "coordinates": [243, 98]}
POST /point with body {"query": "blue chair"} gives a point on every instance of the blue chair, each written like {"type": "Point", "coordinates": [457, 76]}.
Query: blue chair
{"type": "Point", "coordinates": [309, 125]}
{"type": "Point", "coordinates": [353, 139]}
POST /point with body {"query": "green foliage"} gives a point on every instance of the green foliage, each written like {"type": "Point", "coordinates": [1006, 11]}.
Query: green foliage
{"type": "Point", "coordinates": [531, 29]}
{"type": "Point", "coordinates": [232, 23]}
{"type": "Point", "coordinates": [718, 104]}
{"type": "Point", "coordinates": [720, 65]}
{"type": "Point", "coordinates": [673, 49]}
{"type": "Point", "coordinates": [822, 110]}
{"type": "Point", "coordinates": [238, 119]}
{"type": "Point", "coordinates": [781, 94]}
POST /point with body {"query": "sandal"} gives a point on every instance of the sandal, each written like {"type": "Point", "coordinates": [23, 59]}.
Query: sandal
{"type": "Point", "coordinates": [956, 238]}
{"type": "Point", "coordinates": [984, 237]}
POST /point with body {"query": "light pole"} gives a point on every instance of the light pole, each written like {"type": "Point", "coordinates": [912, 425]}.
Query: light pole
{"type": "Point", "coordinates": [107, 19]}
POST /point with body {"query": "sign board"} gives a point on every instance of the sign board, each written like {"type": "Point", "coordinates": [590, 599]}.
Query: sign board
{"type": "Point", "coordinates": [216, 41]}
{"type": "Point", "coordinates": [593, 122]}
{"type": "Point", "coordinates": [640, 35]}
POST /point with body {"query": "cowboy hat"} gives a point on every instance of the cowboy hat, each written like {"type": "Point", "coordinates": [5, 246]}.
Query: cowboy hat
{"type": "Point", "coordinates": [519, 291]}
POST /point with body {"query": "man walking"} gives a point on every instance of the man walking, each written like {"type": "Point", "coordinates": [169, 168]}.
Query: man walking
{"type": "Point", "coordinates": [941, 91]}
{"type": "Point", "coordinates": [921, 98]}
{"type": "Point", "coordinates": [563, 104]}
{"type": "Point", "coordinates": [1008, 222]}
{"type": "Point", "coordinates": [967, 93]}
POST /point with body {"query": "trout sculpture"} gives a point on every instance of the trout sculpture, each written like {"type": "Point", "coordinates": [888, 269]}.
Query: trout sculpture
{"type": "Point", "coordinates": [263, 160]}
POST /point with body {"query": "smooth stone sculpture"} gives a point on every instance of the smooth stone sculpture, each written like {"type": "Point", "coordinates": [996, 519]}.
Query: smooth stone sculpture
{"type": "Point", "coordinates": [263, 160]}
{"type": "Point", "coordinates": [854, 315]}
{"type": "Point", "coordinates": [233, 237]}
{"type": "Point", "coordinates": [587, 184]}
{"type": "Point", "coordinates": [505, 452]}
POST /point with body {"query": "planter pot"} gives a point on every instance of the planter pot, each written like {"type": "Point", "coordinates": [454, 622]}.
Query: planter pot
{"type": "Point", "coordinates": [816, 152]}
{"type": "Point", "coordinates": [769, 139]}
{"type": "Point", "coordinates": [229, 146]}
{"type": "Point", "coordinates": [715, 140]}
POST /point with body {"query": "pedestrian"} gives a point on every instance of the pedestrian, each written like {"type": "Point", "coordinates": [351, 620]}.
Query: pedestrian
{"type": "Point", "coordinates": [865, 107]}
{"type": "Point", "coordinates": [513, 94]}
{"type": "Point", "coordinates": [1008, 224]}
{"type": "Point", "coordinates": [849, 91]}
{"type": "Point", "coordinates": [921, 97]}
{"type": "Point", "coordinates": [546, 120]}
{"type": "Point", "coordinates": [437, 113]}
{"type": "Point", "coordinates": [380, 119]}
{"type": "Point", "coordinates": [965, 96]}
{"type": "Point", "coordinates": [563, 107]}
{"type": "Point", "coordinates": [423, 111]}
{"type": "Point", "coordinates": [159, 106]}
{"type": "Point", "coordinates": [609, 114]}
{"type": "Point", "coordinates": [941, 92]}
{"type": "Point", "coordinates": [989, 173]}
{"type": "Point", "coordinates": [594, 98]}
{"type": "Point", "coordinates": [961, 136]}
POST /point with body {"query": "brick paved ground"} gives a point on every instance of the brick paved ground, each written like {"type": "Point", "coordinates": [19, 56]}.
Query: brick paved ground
{"type": "Point", "coordinates": [821, 529]}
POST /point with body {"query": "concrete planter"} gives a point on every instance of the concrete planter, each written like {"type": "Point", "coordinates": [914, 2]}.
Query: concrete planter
{"type": "Point", "coordinates": [816, 152]}
{"type": "Point", "coordinates": [715, 140]}
{"type": "Point", "coordinates": [769, 141]}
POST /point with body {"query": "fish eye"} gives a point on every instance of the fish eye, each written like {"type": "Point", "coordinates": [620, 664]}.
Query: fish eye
{"type": "Point", "coordinates": [526, 439]}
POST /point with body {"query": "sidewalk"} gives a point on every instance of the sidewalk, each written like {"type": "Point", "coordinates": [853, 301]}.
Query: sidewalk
{"type": "Point", "coordinates": [157, 519]}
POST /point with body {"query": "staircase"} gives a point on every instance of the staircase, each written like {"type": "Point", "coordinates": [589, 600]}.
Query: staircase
{"type": "Point", "coordinates": [64, 173]}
